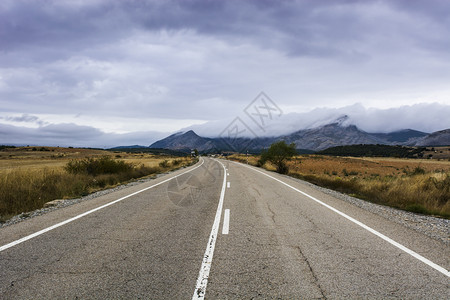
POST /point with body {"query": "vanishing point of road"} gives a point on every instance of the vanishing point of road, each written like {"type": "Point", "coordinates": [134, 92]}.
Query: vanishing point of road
{"type": "Point", "coordinates": [219, 230]}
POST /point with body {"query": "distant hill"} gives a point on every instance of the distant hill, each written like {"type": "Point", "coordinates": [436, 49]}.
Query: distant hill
{"type": "Point", "coordinates": [401, 136]}
{"type": "Point", "coordinates": [185, 141]}
{"type": "Point", "coordinates": [438, 138]}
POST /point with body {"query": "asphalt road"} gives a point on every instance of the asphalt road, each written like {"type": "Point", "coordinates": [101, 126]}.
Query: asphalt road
{"type": "Point", "coordinates": [280, 244]}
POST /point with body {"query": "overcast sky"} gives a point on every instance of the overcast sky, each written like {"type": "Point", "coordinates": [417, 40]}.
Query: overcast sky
{"type": "Point", "coordinates": [104, 72]}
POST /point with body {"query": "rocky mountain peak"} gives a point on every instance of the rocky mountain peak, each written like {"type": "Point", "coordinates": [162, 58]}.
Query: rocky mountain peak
{"type": "Point", "coordinates": [342, 121]}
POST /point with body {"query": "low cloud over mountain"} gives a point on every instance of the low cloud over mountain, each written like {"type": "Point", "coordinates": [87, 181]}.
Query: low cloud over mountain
{"type": "Point", "coordinates": [336, 133]}
{"type": "Point", "coordinates": [422, 117]}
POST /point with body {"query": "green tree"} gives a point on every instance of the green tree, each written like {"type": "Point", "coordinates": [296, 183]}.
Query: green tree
{"type": "Point", "coordinates": [277, 154]}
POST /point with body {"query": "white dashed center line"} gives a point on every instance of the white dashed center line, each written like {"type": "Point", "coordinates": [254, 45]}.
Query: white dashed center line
{"type": "Point", "coordinates": [202, 280]}
{"type": "Point", "coordinates": [226, 222]}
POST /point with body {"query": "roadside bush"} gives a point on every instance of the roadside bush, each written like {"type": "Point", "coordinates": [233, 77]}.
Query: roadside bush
{"type": "Point", "coordinates": [164, 164]}
{"type": "Point", "coordinates": [176, 162]}
{"type": "Point", "coordinates": [278, 154]}
{"type": "Point", "coordinates": [418, 171]}
{"type": "Point", "coordinates": [102, 165]}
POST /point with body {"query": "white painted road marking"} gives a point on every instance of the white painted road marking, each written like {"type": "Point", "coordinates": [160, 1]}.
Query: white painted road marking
{"type": "Point", "coordinates": [380, 235]}
{"type": "Point", "coordinates": [33, 235]}
{"type": "Point", "coordinates": [226, 222]}
{"type": "Point", "coordinates": [228, 184]}
{"type": "Point", "coordinates": [202, 280]}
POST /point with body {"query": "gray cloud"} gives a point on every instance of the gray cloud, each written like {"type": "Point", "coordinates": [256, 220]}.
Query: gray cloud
{"type": "Point", "coordinates": [73, 135]}
{"type": "Point", "coordinates": [311, 28]}
{"type": "Point", "coordinates": [206, 60]}
{"type": "Point", "coordinates": [24, 118]}
{"type": "Point", "coordinates": [306, 27]}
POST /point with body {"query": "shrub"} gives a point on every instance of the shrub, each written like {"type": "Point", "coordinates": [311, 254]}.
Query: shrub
{"type": "Point", "coordinates": [277, 154]}
{"type": "Point", "coordinates": [176, 162]}
{"type": "Point", "coordinates": [102, 165]}
{"type": "Point", "coordinates": [418, 171]}
{"type": "Point", "coordinates": [164, 164]}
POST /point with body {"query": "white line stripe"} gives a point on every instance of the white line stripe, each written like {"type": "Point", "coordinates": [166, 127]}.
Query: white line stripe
{"type": "Point", "coordinates": [33, 235]}
{"type": "Point", "coordinates": [202, 280]}
{"type": "Point", "coordinates": [228, 184]}
{"type": "Point", "coordinates": [380, 235]}
{"type": "Point", "coordinates": [226, 222]}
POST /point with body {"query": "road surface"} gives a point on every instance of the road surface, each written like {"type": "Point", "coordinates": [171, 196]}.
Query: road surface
{"type": "Point", "coordinates": [166, 239]}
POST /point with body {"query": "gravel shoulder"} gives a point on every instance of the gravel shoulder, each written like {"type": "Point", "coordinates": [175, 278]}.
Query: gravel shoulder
{"type": "Point", "coordinates": [433, 227]}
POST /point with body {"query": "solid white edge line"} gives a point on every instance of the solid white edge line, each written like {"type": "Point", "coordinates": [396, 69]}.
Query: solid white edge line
{"type": "Point", "coordinates": [202, 280]}
{"type": "Point", "coordinates": [226, 222]}
{"type": "Point", "coordinates": [380, 235]}
{"type": "Point", "coordinates": [33, 235]}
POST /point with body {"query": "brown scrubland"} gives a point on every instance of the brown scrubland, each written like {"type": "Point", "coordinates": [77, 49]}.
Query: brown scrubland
{"type": "Point", "coordinates": [417, 185]}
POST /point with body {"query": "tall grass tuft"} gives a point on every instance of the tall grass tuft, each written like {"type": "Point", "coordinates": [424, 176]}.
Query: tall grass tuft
{"type": "Point", "coordinates": [164, 164]}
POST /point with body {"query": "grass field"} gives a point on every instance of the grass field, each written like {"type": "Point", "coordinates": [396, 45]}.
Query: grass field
{"type": "Point", "coordinates": [417, 185]}
{"type": "Point", "coordinates": [32, 176]}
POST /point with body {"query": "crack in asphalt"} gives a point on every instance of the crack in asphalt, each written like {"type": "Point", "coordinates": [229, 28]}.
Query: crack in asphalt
{"type": "Point", "coordinates": [272, 212]}
{"type": "Point", "coordinates": [316, 279]}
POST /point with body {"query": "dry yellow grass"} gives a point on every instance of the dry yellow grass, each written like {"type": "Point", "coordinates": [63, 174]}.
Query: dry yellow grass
{"type": "Point", "coordinates": [26, 159]}
{"type": "Point", "coordinates": [30, 178]}
{"type": "Point", "coordinates": [417, 185]}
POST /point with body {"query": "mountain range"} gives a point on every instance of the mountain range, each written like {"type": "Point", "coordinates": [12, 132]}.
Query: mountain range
{"type": "Point", "coordinates": [336, 133]}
